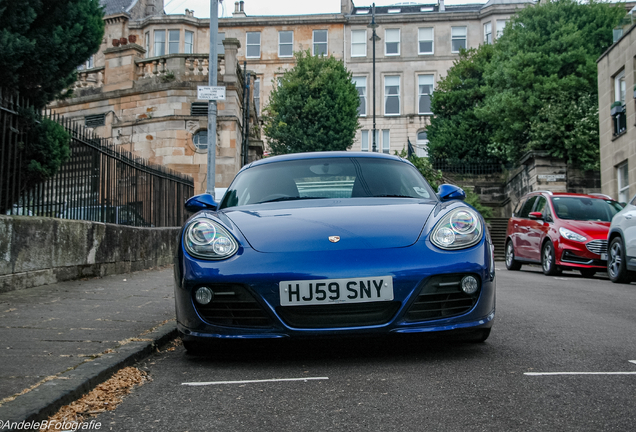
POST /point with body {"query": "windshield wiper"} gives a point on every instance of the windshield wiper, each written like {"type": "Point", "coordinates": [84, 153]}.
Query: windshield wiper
{"type": "Point", "coordinates": [288, 198]}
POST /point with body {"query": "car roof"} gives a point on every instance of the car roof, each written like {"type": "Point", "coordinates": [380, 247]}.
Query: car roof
{"type": "Point", "coordinates": [323, 155]}
{"type": "Point", "coordinates": [571, 194]}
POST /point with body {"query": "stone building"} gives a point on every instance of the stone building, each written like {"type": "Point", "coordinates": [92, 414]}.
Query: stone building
{"type": "Point", "coordinates": [617, 116]}
{"type": "Point", "coordinates": [140, 88]}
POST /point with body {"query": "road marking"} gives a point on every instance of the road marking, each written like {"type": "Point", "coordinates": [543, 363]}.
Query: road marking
{"type": "Point", "coordinates": [633, 361]}
{"type": "Point", "coordinates": [253, 381]}
{"type": "Point", "coordinates": [577, 373]}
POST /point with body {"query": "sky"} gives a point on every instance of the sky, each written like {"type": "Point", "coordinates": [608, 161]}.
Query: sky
{"type": "Point", "coordinates": [201, 8]}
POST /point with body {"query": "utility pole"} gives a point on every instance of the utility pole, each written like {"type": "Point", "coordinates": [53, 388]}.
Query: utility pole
{"type": "Point", "coordinates": [374, 37]}
{"type": "Point", "coordinates": [212, 81]}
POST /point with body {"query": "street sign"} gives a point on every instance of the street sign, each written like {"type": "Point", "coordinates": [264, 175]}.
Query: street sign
{"type": "Point", "coordinates": [211, 92]}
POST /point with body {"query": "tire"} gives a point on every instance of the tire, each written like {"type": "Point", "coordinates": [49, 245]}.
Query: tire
{"type": "Point", "coordinates": [511, 262]}
{"type": "Point", "coordinates": [616, 262]}
{"type": "Point", "coordinates": [194, 348]}
{"type": "Point", "coordinates": [587, 273]}
{"type": "Point", "coordinates": [478, 336]}
{"type": "Point", "coordinates": [548, 260]}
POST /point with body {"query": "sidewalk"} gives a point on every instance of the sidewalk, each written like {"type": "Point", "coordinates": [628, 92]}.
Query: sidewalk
{"type": "Point", "coordinates": [62, 339]}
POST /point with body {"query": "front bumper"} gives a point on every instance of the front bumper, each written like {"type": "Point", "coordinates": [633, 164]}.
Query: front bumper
{"type": "Point", "coordinates": [412, 268]}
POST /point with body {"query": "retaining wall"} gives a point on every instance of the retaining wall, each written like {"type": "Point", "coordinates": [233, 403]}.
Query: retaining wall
{"type": "Point", "coordinates": [38, 251]}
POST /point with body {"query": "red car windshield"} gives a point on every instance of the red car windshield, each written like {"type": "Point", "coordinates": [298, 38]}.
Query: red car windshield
{"type": "Point", "coordinates": [585, 209]}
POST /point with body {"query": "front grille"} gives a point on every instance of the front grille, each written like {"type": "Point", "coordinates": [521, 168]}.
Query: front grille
{"type": "Point", "coordinates": [442, 297]}
{"type": "Point", "coordinates": [338, 315]}
{"type": "Point", "coordinates": [232, 305]}
{"type": "Point", "coordinates": [571, 257]}
{"type": "Point", "coordinates": [597, 246]}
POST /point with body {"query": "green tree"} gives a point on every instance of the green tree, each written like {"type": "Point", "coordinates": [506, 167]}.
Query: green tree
{"type": "Point", "coordinates": [43, 41]}
{"type": "Point", "coordinates": [541, 84]}
{"type": "Point", "coordinates": [314, 108]}
{"type": "Point", "coordinates": [41, 44]}
{"type": "Point", "coordinates": [455, 131]}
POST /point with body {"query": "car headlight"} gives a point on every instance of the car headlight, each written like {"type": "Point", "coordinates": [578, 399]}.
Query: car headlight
{"type": "Point", "coordinates": [571, 235]}
{"type": "Point", "coordinates": [460, 228]}
{"type": "Point", "coordinates": [209, 240]}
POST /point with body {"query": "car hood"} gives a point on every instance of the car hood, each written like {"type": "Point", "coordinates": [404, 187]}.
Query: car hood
{"type": "Point", "coordinates": [591, 229]}
{"type": "Point", "coordinates": [366, 223]}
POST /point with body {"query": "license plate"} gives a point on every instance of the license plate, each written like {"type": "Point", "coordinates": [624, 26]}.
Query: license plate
{"type": "Point", "coordinates": [329, 291]}
{"type": "Point", "coordinates": [604, 256]}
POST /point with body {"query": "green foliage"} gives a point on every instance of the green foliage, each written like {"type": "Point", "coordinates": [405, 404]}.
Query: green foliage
{"type": "Point", "coordinates": [473, 199]}
{"type": "Point", "coordinates": [543, 67]}
{"type": "Point", "coordinates": [455, 131]}
{"type": "Point", "coordinates": [434, 178]}
{"type": "Point", "coordinates": [45, 148]}
{"type": "Point", "coordinates": [315, 107]}
{"type": "Point", "coordinates": [534, 89]}
{"type": "Point", "coordinates": [423, 165]}
{"type": "Point", "coordinates": [43, 41]}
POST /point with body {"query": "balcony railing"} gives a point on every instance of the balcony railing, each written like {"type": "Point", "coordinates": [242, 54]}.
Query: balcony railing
{"type": "Point", "coordinates": [619, 119]}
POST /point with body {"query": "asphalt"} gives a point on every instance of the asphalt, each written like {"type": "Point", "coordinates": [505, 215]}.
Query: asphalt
{"type": "Point", "coordinates": [59, 341]}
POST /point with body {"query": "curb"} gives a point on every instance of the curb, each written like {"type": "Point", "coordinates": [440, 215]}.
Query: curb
{"type": "Point", "coordinates": [48, 398]}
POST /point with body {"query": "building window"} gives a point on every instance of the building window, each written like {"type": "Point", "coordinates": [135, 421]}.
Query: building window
{"type": "Point", "coordinates": [501, 24]}
{"type": "Point", "coordinates": [285, 44]}
{"type": "Point", "coordinates": [188, 47]}
{"type": "Point", "coordinates": [200, 141]}
{"type": "Point", "coordinates": [425, 90]}
{"type": "Point", "coordinates": [95, 120]}
{"type": "Point", "coordinates": [365, 141]}
{"type": "Point", "coordinates": [392, 95]}
{"type": "Point", "coordinates": [320, 42]}
{"type": "Point", "coordinates": [361, 86]}
{"type": "Point", "coordinates": [147, 44]}
{"type": "Point", "coordinates": [622, 175]}
{"type": "Point", "coordinates": [386, 141]}
{"type": "Point", "coordinates": [392, 42]}
{"type": "Point", "coordinates": [425, 37]}
{"type": "Point", "coordinates": [618, 113]}
{"type": "Point", "coordinates": [421, 145]}
{"type": "Point", "coordinates": [257, 95]}
{"type": "Point", "coordinates": [458, 39]}
{"type": "Point", "coordinates": [220, 48]}
{"type": "Point", "coordinates": [253, 45]}
{"type": "Point", "coordinates": [358, 43]}
{"type": "Point", "coordinates": [160, 42]}
{"type": "Point", "coordinates": [89, 64]}
{"type": "Point", "coordinates": [173, 41]}
{"type": "Point", "coordinates": [488, 33]}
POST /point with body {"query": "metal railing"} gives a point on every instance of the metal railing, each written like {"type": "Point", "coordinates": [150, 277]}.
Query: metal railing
{"type": "Point", "coordinates": [100, 182]}
{"type": "Point", "coordinates": [470, 168]}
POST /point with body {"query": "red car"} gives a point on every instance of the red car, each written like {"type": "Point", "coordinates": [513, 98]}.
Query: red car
{"type": "Point", "coordinates": [560, 231]}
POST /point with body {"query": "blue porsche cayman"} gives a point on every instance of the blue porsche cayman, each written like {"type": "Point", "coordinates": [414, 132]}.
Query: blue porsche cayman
{"type": "Point", "coordinates": [333, 244]}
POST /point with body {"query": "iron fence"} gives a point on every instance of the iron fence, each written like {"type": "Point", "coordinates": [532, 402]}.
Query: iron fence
{"type": "Point", "coordinates": [101, 182]}
{"type": "Point", "coordinates": [470, 168]}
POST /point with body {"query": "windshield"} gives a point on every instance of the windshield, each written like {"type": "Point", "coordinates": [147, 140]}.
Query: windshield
{"type": "Point", "coordinates": [585, 209]}
{"type": "Point", "coordinates": [340, 178]}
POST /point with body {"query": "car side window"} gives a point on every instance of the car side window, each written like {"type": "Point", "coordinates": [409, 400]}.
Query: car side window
{"type": "Point", "coordinates": [515, 211]}
{"type": "Point", "coordinates": [541, 205]}
{"type": "Point", "coordinates": [527, 207]}
{"type": "Point", "coordinates": [633, 201]}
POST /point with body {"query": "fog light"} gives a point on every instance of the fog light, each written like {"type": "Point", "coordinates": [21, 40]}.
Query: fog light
{"type": "Point", "coordinates": [204, 295]}
{"type": "Point", "coordinates": [469, 285]}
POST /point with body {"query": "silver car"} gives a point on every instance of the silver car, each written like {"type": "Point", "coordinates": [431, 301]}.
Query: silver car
{"type": "Point", "coordinates": [621, 240]}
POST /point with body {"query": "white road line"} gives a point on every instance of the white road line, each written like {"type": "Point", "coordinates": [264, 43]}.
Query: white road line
{"type": "Point", "coordinates": [252, 381]}
{"type": "Point", "coordinates": [577, 373]}
{"type": "Point", "coordinates": [633, 361]}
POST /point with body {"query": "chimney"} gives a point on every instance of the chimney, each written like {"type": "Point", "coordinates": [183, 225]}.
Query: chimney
{"type": "Point", "coordinates": [238, 9]}
{"type": "Point", "coordinates": [441, 6]}
{"type": "Point", "coordinates": [346, 6]}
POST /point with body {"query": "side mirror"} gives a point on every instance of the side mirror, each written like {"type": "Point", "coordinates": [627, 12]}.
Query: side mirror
{"type": "Point", "coordinates": [536, 215]}
{"type": "Point", "coordinates": [201, 202]}
{"type": "Point", "coordinates": [448, 192]}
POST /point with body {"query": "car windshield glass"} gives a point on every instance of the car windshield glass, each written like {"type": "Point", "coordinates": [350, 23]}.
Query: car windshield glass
{"type": "Point", "coordinates": [341, 178]}
{"type": "Point", "coordinates": [585, 209]}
